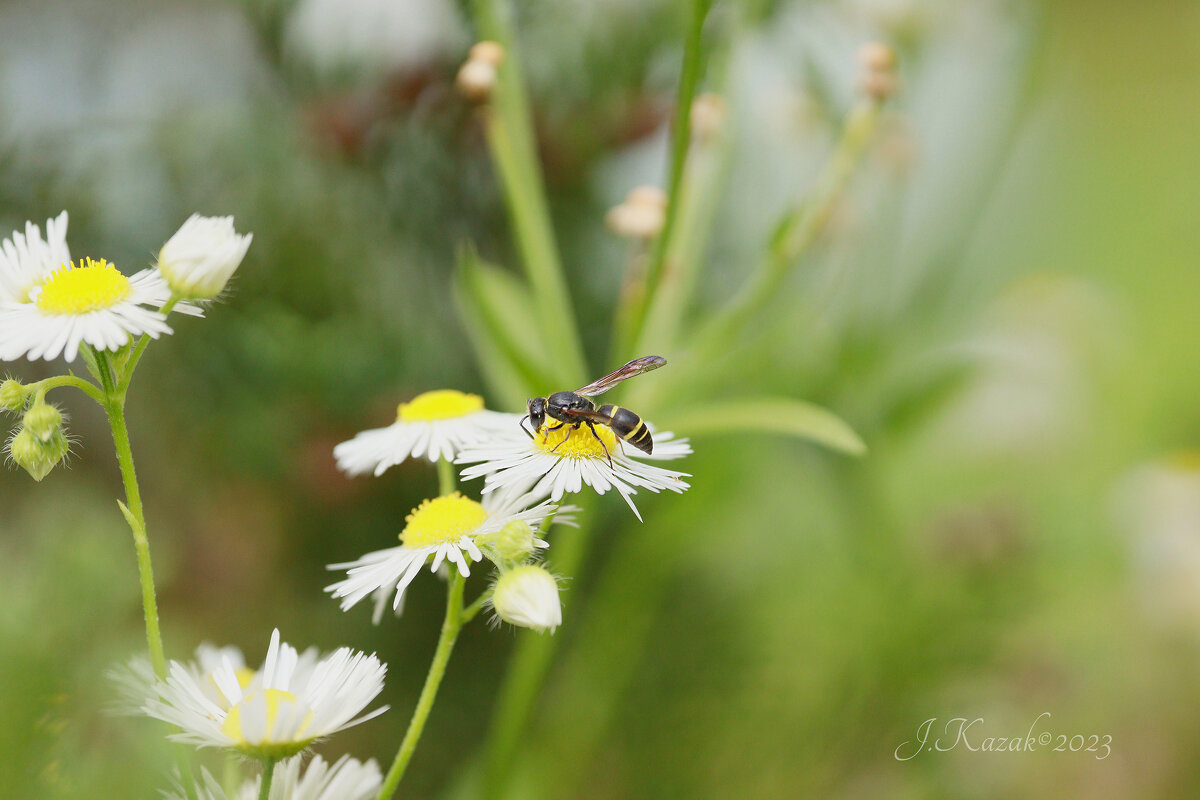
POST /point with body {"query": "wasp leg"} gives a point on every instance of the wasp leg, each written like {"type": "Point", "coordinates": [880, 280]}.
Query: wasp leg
{"type": "Point", "coordinates": [522, 424]}
{"type": "Point", "coordinates": [607, 454]}
{"type": "Point", "coordinates": [574, 427]}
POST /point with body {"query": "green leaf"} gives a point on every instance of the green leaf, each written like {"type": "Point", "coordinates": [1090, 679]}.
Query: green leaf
{"type": "Point", "coordinates": [498, 313]}
{"type": "Point", "coordinates": [133, 523]}
{"type": "Point", "coordinates": [781, 415]}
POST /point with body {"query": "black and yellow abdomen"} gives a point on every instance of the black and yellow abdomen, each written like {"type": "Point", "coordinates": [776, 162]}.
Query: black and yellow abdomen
{"type": "Point", "coordinates": [629, 426]}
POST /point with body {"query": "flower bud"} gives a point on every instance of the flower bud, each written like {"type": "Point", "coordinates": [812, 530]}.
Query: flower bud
{"type": "Point", "coordinates": [12, 395]}
{"type": "Point", "coordinates": [35, 455]}
{"type": "Point", "coordinates": [878, 77]}
{"type": "Point", "coordinates": [641, 216]}
{"type": "Point", "coordinates": [200, 258]}
{"type": "Point", "coordinates": [476, 80]}
{"type": "Point", "coordinates": [708, 116]}
{"type": "Point", "coordinates": [43, 421]}
{"type": "Point", "coordinates": [527, 597]}
{"type": "Point", "coordinates": [514, 542]}
{"type": "Point", "coordinates": [487, 52]}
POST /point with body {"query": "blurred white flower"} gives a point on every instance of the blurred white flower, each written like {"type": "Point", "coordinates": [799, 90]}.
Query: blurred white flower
{"type": "Point", "coordinates": [435, 425]}
{"type": "Point", "coordinates": [274, 712]}
{"type": "Point", "coordinates": [199, 259]}
{"type": "Point", "coordinates": [1158, 507]}
{"type": "Point", "coordinates": [373, 36]}
{"type": "Point", "coordinates": [345, 779]}
{"type": "Point", "coordinates": [527, 596]}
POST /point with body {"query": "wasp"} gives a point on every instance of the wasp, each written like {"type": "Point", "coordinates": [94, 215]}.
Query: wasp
{"type": "Point", "coordinates": [575, 409]}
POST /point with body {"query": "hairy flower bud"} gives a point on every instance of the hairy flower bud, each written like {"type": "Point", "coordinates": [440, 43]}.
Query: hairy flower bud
{"type": "Point", "coordinates": [527, 597]}
{"type": "Point", "coordinates": [43, 421]}
{"type": "Point", "coordinates": [514, 542]}
{"type": "Point", "coordinates": [201, 257]}
{"type": "Point", "coordinates": [41, 443]}
{"type": "Point", "coordinates": [12, 395]}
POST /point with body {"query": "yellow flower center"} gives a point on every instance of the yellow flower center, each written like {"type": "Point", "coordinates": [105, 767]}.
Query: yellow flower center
{"type": "Point", "coordinates": [1185, 460]}
{"type": "Point", "coordinates": [77, 290]}
{"type": "Point", "coordinates": [441, 520]}
{"type": "Point", "coordinates": [571, 442]}
{"type": "Point", "coordinates": [440, 404]}
{"type": "Point", "coordinates": [244, 676]}
{"type": "Point", "coordinates": [276, 700]}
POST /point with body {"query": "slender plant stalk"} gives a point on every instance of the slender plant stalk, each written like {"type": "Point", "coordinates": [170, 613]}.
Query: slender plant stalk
{"type": "Point", "coordinates": [446, 477]}
{"type": "Point", "coordinates": [796, 233]}
{"type": "Point", "coordinates": [43, 386]}
{"type": "Point", "coordinates": [526, 673]}
{"type": "Point", "coordinates": [681, 135]}
{"type": "Point", "coordinates": [451, 625]}
{"type": "Point", "coordinates": [140, 347]}
{"type": "Point", "coordinates": [513, 145]}
{"type": "Point", "coordinates": [264, 789]}
{"type": "Point", "coordinates": [112, 399]}
{"type": "Point", "coordinates": [114, 407]}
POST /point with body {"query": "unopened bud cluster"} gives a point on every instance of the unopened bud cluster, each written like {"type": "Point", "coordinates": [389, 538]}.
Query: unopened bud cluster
{"type": "Point", "coordinates": [878, 63]}
{"type": "Point", "coordinates": [41, 443]}
{"type": "Point", "coordinates": [477, 76]}
{"type": "Point", "coordinates": [641, 216]}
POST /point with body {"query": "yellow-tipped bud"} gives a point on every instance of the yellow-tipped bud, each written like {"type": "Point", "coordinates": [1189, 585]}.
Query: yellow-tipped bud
{"type": "Point", "coordinates": [476, 80]}
{"type": "Point", "coordinates": [878, 62]}
{"type": "Point", "coordinates": [708, 116]}
{"type": "Point", "coordinates": [641, 216]}
{"type": "Point", "coordinates": [487, 52]}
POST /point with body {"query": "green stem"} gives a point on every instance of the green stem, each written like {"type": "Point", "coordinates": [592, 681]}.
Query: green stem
{"type": "Point", "coordinates": [681, 135]}
{"type": "Point", "coordinates": [797, 231]}
{"type": "Point", "coordinates": [264, 789]}
{"type": "Point", "coordinates": [87, 387]}
{"type": "Point", "coordinates": [140, 347]}
{"type": "Point", "coordinates": [470, 611]}
{"type": "Point", "coordinates": [437, 669]}
{"type": "Point", "coordinates": [525, 675]}
{"type": "Point", "coordinates": [447, 480]}
{"type": "Point", "coordinates": [510, 135]}
{"type": "Point", "coordinates": [114, 407]}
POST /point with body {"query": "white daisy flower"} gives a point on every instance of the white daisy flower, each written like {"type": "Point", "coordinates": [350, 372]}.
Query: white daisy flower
{"type": "Point", "coordinates": [345, 779]}
{"type": "Point", "coordinates": [449, 529]}
{"type": "Point", "coordinates": [25, 259]}
{"type": "Point", "coordinates": [201, 257]}
{"type": "Point", "coordinates": [563, 459]}
{"type": "Point", "coordinates": [136, 679]}
{"type": "Point", "coordinates": [275, 712]}
{"type": "Point", "coordinates": [90, 304]}
{"type": "Point", "coordinates": [435, 425]}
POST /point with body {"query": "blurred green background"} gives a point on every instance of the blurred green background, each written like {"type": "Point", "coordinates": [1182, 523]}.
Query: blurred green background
{"type": "Point", "coordinates": [1004, 306]}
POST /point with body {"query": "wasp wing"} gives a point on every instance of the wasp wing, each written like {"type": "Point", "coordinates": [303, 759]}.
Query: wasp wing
{"type": "Point", "coordinates": [635, 367]}
{"type": "Point", "coordinates": [582, 414]}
